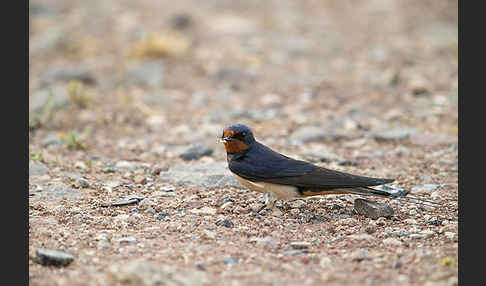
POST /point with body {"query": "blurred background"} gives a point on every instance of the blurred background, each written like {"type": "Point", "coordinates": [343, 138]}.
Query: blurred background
{"type": "Point", "coordinates": [144, 79]}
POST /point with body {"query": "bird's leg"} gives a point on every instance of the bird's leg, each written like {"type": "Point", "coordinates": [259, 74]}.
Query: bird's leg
{"type": "Point", "coordinates": [264, 206]}
{"type": "Point", "coordinates": [271, 205]}
{"type": "Point", "coordinates": [269, 202]}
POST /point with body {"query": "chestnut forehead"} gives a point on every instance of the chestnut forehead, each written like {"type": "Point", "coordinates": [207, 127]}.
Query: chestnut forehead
{"type": "Point", "coordinates": [229, 132]}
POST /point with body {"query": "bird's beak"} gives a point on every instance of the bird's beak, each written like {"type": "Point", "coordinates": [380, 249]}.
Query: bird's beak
{"type": "Point", "coordinates": [225, 139]}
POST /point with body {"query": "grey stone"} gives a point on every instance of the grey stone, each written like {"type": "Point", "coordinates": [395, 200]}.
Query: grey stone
{"type": "Point", "coordinates": [215, 174]}
{"type": "Point", "coordinates": [162, 215]}
{"type": "Point", "coordinates": [167, 188]}
{"type": "Point", "coordinates": [294, 251]}
{"type": "Point", "coordinates": [37, 168]}
{"type": "Point", "coordinates": [266, 242]}
{"type": "Point", "coordinates": [53, 98]}
{"type": "Point", "coordinates": [146, 73]}
{"type": "Point", "coordinates": [47, 41]}
{"type": "Point", "coordinates": [53, 257]}
{"type": "Point", "coordinates": [129, 239]}
{"type": "Point", "coordinates": [394, 134]}
{"type": "Point", "coordinates": [60, 192]}
{"type": "Point", "coordinates": [51, 139]}
{"type": "Point", "coordinates": [348, 163]}
{"type": "Point", "coordinates": [81, 183]}
{"type": "Point", "coordinates": [372, 209]}
{"type": "Point", "coordinates": [311, 133]}
{"type": "Point", "coordinates": [127, 201]}
{"type": "Point", "coordinates": [231, 262]}
{"type": "Point", "coordinates": [225, 222]}
{"type": "Point", "coordinates": [435, 221]}
{"type": "Point", "coordinates": [113, 184]}
{"type": "Point", "coordinates": [300, 244]}
{"type": "Point", "coordinates": [450, 235]}
{"type": "Point", "coordinates": [65, 74]}
{"type": "Point", "coordinates": [181, 21]}
{"type": "Point", "coordinates": [195, 152]}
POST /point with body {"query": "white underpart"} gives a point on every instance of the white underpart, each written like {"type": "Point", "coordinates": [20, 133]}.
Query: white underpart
{"type": "Point", "coordinates": [280, 192]}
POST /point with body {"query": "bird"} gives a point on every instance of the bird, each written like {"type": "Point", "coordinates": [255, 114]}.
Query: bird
{"type": "Point", "coordinates": [261, 169]}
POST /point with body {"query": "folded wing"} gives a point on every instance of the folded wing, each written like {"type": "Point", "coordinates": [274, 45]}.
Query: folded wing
{"type": "Point", "coordinates": [265, 165]}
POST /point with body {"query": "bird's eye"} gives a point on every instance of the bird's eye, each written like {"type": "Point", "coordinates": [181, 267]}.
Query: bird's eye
{"type": "Point", "coordinates": [244, 133]}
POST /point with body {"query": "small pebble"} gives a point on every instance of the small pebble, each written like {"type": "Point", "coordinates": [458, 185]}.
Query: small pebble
{"type": "Point", "coordinates": [435, 221]}
{"type": "Point", "coordinates": [294, 251]}
{"type": "Point", "coordinates": [195, 152]}
{"type": "Point", "coordinates": [162, 215]}
{"type": "Point", "coordinates": [370, 229]}
{"type": "Point", "coordinates": [203, 211]}
{"type": "Point", "coordinates": [230, 261]}
{"type": "Point", "coordinates": [128, 239]}
{"type": "Point", "coordinates": [381, 221]}
{"type": "Point", "coordinates": [80, 165]}
{"type": "Point", "coordinates": [435, 196]}
{"type": "Point", "coordinates": [372, 209]}
{"type": "Point", "coordinates": [295, 212]}
{"type": "Point", "coordinates": [81, 183]}
{"type": "Point", "coordinates": [226, 205]}
{"type": "Point", "coordinates": [450, 235]}
{"type": "Point", "coordinates": [225, 222]}
{"type": "Point", "coordinates": [300, 244]}
{"type": "Point", "coordinates": [37, 169]}
{"type": "Point", "coordinates": [394, 134]}
{"type": "Point", "coordinates": [167, 188]}
{"type": "Point", "coordinates": [53, 257]}
{"type": "Point", "coordinates": [410, 221]}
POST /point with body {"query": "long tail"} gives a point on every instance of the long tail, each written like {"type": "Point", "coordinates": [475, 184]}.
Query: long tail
{"type": "Point", "coordinates": [399, 194]}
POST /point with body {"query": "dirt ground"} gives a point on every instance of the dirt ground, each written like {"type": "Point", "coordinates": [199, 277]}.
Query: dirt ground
{"type": "Point", "coordinates": [119, 89]}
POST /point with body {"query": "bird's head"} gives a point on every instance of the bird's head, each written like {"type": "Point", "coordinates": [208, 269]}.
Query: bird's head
{"type": "Point", "coordinates": [237, 138]}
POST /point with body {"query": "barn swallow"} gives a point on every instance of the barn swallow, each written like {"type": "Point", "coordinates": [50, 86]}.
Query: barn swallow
{"type": "Point", "coordinates": [279, 177]}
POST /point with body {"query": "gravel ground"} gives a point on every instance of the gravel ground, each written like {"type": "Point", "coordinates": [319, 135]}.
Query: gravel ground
{"type": "Point", "coordinates": [128, 184]}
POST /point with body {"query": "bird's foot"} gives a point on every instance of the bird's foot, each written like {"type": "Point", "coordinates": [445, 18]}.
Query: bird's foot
{"type": "Point", "coordinates": [269, 206]}
{"type": "Point", "coordinates": [263, 207]}
{"type": "Point", "coordinates": [264, 210]}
